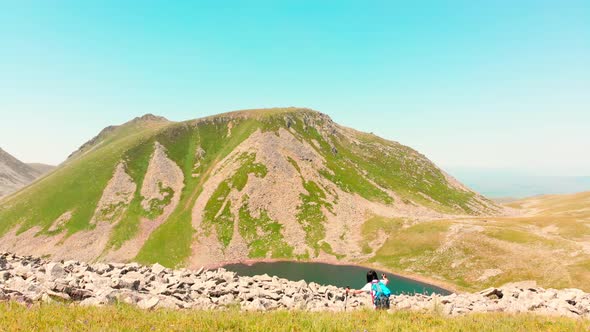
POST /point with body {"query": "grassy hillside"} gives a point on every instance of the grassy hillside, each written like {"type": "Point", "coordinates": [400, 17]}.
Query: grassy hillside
{"type": "Point", "coordinates": [548, 241]}
{"type": "Point", "coordinates": [340, 179]}
{"type": "Point", "coordinates": [15, 317]}
{"type": "Point", "coordinates": [75, 186]}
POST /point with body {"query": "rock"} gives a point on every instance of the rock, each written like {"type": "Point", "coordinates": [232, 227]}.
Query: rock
{"type": "Point", "coordinates": [125, 283]}
{"type": "Point", "coordinates": [149, 303]}
{"type": "Point", "coordinates": [169, 303]}
{"type": "Point", "coordinates": [54, 271]}
{"type": "Point", "coordinates": [28, 280]}
{"type": "Point", "coordinates": [91, 302]}
{"type": "Point", "coordinates": [80, 294]}
{"type": "Point", "coordinates": [226, 300]}
{"type": "Point", "coordinates": [22, 271]}
{"type": "Point", "coordinates": [270, 295]}
{"type": "Point", "coordinates": [157, 269]}
{"type": "Point", "coordinates": [106, 296]}
{"type": "Point", "coordinates": [287, 302]}
{"type": "Point", "coordinates": [62, 296]}
{"type": "Point", "coordinates": [264, 278]}
{"type": "Point", "coordinates": [255, 305]}
{"type": "Point", "coordinates": [313, 287]}
{"type": "Point", "coordinates": [492, 293]}
{"type": "Point", "coordinates": [102, 268]}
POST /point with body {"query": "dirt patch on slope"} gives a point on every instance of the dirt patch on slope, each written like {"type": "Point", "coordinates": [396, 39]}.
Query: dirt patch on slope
{"type": "Point", "coordinates": [116, 197]}
{"type": "Point", "coordinates": [85, 245]}
{"type": "Point", "coordinates": [60, 221]}
{"type": "Point", "coordinates": [162, 172]}
{"type": "Point", "coordinates": [278, 192]}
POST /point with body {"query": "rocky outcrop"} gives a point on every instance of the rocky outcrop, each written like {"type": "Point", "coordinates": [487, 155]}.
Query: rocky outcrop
{"type": "Point", "coordinates": [524, 297]}
{"type": "Point", "coordinates": [116, 197]}
{"type": "Point", "coordinates": [29, 279]}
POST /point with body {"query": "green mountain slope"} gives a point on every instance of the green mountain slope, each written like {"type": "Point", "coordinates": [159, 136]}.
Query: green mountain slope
{"type": "Point", "coordinates": [277, 183]}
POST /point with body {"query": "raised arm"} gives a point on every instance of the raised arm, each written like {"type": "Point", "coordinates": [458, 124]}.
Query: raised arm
{"type": "Point", "coordinates": [365, 289]}
{"type": "Point", "coordinates": [354, 291]}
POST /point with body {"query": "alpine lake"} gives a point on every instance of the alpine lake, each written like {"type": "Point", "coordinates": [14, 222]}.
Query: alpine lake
{"type": "Point", "coordinates": [336, 275]}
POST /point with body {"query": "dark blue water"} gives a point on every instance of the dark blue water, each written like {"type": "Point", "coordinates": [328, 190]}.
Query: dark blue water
{"type": "Point", "coordinates": [337, 275]}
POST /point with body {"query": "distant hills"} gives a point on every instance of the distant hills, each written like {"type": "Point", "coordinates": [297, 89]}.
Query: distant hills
{"type": "Point", "coordinates": [276, 183]}
{"type": "Point", "coordinates": [512, 184]}
{"type": "Point", "coordinates": [14, 174]}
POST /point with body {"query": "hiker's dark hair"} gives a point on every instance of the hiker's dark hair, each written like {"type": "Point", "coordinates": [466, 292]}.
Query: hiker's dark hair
{"type": "Point", "coordinates": [372, 275]}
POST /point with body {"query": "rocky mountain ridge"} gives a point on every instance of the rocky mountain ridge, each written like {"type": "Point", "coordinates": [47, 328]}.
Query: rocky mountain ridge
{"type": "Point", "coordinates": [14, 174]}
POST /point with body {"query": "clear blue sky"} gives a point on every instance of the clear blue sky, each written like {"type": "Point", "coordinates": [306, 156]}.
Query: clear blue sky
{"type": "Point", "coordinates": [494, 84]}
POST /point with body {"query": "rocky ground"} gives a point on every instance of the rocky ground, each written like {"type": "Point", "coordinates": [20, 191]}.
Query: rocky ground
{"type": "Point", "coordinates": [29, 280]}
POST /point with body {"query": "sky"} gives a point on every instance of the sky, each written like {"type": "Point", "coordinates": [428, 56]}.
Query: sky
{"type": "Point", "coordinates": [470, 84]}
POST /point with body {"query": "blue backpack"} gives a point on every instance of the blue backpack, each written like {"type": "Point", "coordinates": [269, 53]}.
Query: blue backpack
{"type": "Point", "coordinates": [381, 294]}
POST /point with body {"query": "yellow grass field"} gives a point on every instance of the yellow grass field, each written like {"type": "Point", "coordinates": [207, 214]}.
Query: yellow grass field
{"type": "Point", "coordinates": [56, 317]}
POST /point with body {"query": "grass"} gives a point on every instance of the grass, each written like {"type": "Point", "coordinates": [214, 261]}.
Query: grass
{"type": "Point", "coordinates": [412, 242]}
{"type": "Point", "coordinates": [77, 186]}
{"type": "Point", "coordinates": [370, 164]}
{"type": "Point", "coordinates": [340, 170]}
{"type": "Point", "coordinates": [156, 206]}
{"type": "Point", "coordinates": [310, 215]}
{"type": "Point", "coordinates": [218, 209]}
{"type": "Point", "coordinates": [58, 317]}
{"type": "Point", "coordinates": [170, 244]}
{"type": "Point", "coordinates": [547, 247]}
{"type": "Point", "coordinates": [403, 170]}
{"type": "Point", "coordinates": [263, 235]}
{"type": "Point", "coordinates": [378, 226]}
{"type": "Point", "coordinates": [517, 236]}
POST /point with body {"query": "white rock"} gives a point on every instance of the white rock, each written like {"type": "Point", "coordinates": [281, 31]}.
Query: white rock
{"type": "Point", "coordinates": [157, 269]}
{"type": "Point", "coordinates": [150, 303]}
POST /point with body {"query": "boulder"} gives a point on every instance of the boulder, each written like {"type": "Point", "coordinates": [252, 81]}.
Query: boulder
{"type": "Point", "coordinates": [54, 271]}
{"type": "Point", "coordinates": [125, 283]}
{"type": "Point", "coordinates": [148, 303]}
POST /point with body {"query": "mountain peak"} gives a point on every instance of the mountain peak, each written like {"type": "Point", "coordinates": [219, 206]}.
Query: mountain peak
{"type": "Point", "coordinates": [260, 113]}
{"type": "Point", "coordinates": [150, 117]}
{"type": "Point", "coordinates": [146, 118]}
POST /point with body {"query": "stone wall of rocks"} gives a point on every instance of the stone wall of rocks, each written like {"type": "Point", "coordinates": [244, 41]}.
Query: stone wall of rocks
{"type": "Point", "coordinates": [29, 280]}
{"type": "Point", "coordinates": [521, 297]}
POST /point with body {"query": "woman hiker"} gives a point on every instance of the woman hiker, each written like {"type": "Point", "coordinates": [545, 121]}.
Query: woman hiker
{"type": "Point", "coordinates": [377, 288]}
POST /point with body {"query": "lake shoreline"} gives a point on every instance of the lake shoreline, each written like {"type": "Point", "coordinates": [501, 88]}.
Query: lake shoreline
{"type": "Point", "coordinates": [404, 275]}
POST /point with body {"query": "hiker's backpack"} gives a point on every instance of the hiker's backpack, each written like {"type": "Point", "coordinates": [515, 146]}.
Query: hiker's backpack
{"type": "Point", "coordinates": [381, 294]}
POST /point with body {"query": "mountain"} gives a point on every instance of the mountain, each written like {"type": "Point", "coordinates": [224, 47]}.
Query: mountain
{"type": "Point", "coordinates": [274, 183]}
{"type": "Point", "coordinates": [41, 168]}
{"type": "Point", "coordinates": [14, 174]}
